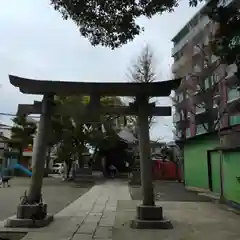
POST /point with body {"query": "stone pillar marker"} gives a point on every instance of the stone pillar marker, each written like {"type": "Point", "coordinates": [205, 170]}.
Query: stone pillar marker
{"type": "Point", "coordinates": [39, 155]}
{"type": "Point", "coordinates": [144, 150]}
{"type": "Point", "coordinates": [149, 216]}
{"type": "Point", "coordinates": [32, 208]}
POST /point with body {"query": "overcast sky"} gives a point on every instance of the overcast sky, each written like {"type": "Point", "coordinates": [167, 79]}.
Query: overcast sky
{"type": "Point", "coordinates": [37, 43]}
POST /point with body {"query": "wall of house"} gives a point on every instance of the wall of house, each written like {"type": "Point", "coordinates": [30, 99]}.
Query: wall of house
{"type": "Point", "coordinates": [231, 175]}
{"type": "Point", "coordinates": [195, 160]}
{"type": "Point", "coordinates": [5, 130]}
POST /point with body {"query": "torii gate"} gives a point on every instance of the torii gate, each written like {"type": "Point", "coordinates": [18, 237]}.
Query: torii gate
{"type": "Point", "coordinates": [148, 215]}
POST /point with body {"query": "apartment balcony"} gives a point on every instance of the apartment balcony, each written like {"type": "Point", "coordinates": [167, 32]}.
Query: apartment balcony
{"type": "Point", "coordinates": [197, 51]}
{"type": "Point", "coordinates": [178, 64]}
{"type": "Point", "coordinates": [233, 103]}
{"type": "Point", "coordinates": [176, 117]}
{"type": "Point", "coordinates": [183, 104]}
{"type": "Point", "coordinates": [183, 124]}
{"type": "Point", "coordinates": [225, 2]}
{"type": "Point", "coordinates": [191, 34]}
{"type": "Point", "coordinates": [206, 116]}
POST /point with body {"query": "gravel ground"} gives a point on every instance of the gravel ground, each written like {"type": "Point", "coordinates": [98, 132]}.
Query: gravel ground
{"type": "Point", "coordinates": [169, 191]}
{"type": "Point", "coordinates": [56, 194]}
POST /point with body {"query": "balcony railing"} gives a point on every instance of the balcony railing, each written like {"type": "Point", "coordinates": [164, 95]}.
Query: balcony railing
{"type": "Point", "coordinates": [192, 33]}
{"type": "Point", "coordinates": [179, 63]}
{"type": "Point", "coordinates": [225, 2]}
{"type": "Point", "coordinates": [176, 118]}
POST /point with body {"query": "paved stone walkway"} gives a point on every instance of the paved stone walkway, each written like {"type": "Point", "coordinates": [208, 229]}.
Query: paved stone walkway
{"type": "Point", "coordinates": [105, 211]}
{"type": "Point", "coordinates": [92, 216]}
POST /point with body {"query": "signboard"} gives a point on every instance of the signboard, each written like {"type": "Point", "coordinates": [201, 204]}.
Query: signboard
{"type": "Point", "coordinates": [27, 154]}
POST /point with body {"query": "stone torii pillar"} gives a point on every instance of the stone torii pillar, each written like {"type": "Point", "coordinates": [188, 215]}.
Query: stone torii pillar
{"type": "Point", "coordinates": [39, 155]}
{"type": "Point", "coordinates": [144, 149]}
{"type": "Point", "coordinates": [149, 216]}
{"type": "Point", "coordinates": [31, 204]}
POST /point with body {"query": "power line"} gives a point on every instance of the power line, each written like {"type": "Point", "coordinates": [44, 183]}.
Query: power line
{"type": "Point", "coordinates": [8, 114]}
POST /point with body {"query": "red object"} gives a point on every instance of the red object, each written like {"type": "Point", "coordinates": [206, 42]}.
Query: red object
{"type": "Point", "coordinates": [166, 170]}
{"type": "Point", "coordinates": [27, 150]}
{"type": "Point", "coordinates": [158, 164]}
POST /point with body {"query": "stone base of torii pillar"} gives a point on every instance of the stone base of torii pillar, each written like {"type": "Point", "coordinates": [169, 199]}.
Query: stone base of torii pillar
{"type": "Point", "coordinates": [149, 216]}
{"type": "Point", "coordinates": [32, 212]}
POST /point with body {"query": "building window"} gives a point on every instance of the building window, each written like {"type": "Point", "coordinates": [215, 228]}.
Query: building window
{"type": "Point", "coordinates": [188, 133]}
{"type": "Point", "coordinates": [231, 70]}
{"type": "Point", "coordinates": [213, 58]}
{"type": "Point", "coordinates": [201, 128]}
{"type": "Point", "coordinates": [182, 115]}
{"type": "Point", "coordinates": [205, 62]}
{"type": "Point", "coordinates": [206, 83]}
{"type": "Point", "coordinates": [234, 120]}
{"type": "Point", "coordinates": [180, 97]}
{"type": "Point", "coordinates": [214, 78]}
{"type": "Point", "coordinates": [233, 94]}
{"type": "Point", "coordinates": [200, 108]}
{"type": "Point", "coordinates": [176, 98]}
{"type": "Point", "coordinates": [206, 40]}
{"type": "Point", "coordinates": [196, 69]}
{"type": "Point", "coordinates": [176, 117]}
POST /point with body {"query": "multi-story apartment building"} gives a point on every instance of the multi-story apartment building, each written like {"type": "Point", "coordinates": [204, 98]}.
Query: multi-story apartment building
{"type": "Point", "coordinates": [206, 99]}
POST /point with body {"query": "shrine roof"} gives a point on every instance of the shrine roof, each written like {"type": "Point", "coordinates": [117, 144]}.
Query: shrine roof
{"type": "Point", "coordinates": [39, 87]}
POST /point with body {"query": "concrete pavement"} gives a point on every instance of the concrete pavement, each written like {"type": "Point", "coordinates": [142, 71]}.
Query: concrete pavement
{"type": "Point", "coordinates": [92, 216]}
{"type": "Point", "coordinates": [191, 221]}
{"type": "Point", "coordinates": [105, 211]}
{"type": "Point", "coordinates": [56, 194]}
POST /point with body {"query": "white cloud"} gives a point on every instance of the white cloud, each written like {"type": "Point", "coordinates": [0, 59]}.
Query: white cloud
{"type": "Point", "coordinates": [37, 43]}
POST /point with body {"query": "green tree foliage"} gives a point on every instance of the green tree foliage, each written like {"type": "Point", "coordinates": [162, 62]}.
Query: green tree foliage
{"type": "Point", "coordinates": [72, 132]}
{"type": "Point", "coordinates": [67, 133]}
{"type": "Point", "coordinates": [226, 40]}
{"type": "Point", "coordinates": [111, 23]}
{"type": "Point", "coordinates": [114, 23]}
{"type": "Point", "coordinates": [22, 133]}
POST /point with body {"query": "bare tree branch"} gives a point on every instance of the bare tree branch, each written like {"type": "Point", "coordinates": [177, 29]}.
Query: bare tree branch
{"type": "Point", "coordinates": [195, 87]}
{"type": "Point", "coordinates": [143, 71]}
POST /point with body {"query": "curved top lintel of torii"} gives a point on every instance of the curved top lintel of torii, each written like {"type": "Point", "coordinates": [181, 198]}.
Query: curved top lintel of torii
{"type": "Point", "coordinates": [66, 88]}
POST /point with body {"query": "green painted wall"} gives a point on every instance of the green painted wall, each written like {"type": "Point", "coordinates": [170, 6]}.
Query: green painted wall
{"type": "Point", "coordinates": [195, 160]}
{"type": "Point", "coordinates": [215, 163]}
{"type": "Point", "coordinates": [231, 170]}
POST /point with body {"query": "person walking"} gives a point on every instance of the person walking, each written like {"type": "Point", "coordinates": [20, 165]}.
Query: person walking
{"type": "Point", "coordinates": [62, 171]}
{"type": "Point", "coordinates": [4, 178]}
